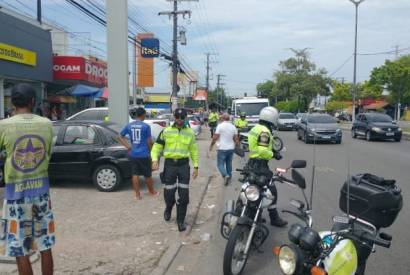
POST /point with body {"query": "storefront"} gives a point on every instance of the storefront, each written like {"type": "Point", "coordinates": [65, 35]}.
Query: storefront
{"type": "Point", "coordinates": [25, 56]}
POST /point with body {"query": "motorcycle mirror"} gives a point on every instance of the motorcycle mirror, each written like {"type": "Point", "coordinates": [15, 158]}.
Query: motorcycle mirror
{"type": "Point", "coordinates": [341, 219]}
{"type": "Point", "coordinates": [298, 204]}
{"type": "Point", "coordinates": [299, 179]}
{"type": "Point", "coordinates": [298, 163]}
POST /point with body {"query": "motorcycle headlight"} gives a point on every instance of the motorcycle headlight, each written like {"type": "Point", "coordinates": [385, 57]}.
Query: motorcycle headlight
{"type": "Point", "coordinates": [252, 193]}
{"type": "Point", "coordinates": [289, 259]}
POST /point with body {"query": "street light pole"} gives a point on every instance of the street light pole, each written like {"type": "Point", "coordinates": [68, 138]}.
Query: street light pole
{"type": "Point", "coordinates": [356, 3]}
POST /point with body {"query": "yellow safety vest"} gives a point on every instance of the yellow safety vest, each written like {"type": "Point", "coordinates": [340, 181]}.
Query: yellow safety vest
{"type": "Point", "coordinates": [260, 142]}
{"type": "Point", "coordinates": [176, 144]}
{"type": "Point", "coordinates": [213, 117]}
{"type": "Point", "coordinates": [241, 123]}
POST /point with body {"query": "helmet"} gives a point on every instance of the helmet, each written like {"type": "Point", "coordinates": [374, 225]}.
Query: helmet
{"type": "Point", "coordinates": [180, 113]}
{"type": "Point", "coordinates": [269, 114]}
{"type": "Point", "coordinates": [243, 114]}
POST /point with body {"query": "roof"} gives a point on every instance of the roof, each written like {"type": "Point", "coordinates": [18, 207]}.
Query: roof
{"type": "Point", "coordinates": [376, 105]}
{"type": "Point", "coordinates": [71, 122]}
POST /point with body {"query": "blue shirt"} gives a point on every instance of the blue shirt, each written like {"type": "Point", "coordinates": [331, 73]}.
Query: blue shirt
{"type": "Point", "coordinates": [139, 133]}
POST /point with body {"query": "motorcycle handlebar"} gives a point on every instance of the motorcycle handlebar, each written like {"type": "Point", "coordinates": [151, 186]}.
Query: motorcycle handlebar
{"type": "Point", "coordinates": [374, 239]}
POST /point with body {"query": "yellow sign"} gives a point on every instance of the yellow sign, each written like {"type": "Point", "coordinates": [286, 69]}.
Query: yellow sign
{"type": "Point", "coordinates": [18, 55]}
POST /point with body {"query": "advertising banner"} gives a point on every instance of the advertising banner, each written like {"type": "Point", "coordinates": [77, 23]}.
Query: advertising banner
{"type": "Point", "coordinates": [149, 47]}
{"type": "Point", "coordinates": [80, 68]}
{"type": "Point", "coordinates": [18, 55]}
{"type": "Point", "coordinates": [145, 66]}
{"type": "Point", "coordinates": [201, 94]}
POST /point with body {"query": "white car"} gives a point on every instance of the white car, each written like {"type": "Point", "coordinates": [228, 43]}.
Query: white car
{"type": "Point", "coordinates": [287, 121]}
{"type": "Point", "coordinates": [101, 113]}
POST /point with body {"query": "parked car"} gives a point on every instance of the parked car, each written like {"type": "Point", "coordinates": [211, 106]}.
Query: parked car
{"type": "Point", "coordinates": [195, 124]}
{"type": "Point", "coordinates": [101, 113]}
{"type": "Point", "coordinates": [376, 126]}
{"type": "Point", "coordinates": [299, 116]}
{"type": "Point", "coordinates": [85, 150]}
{"type": "Point", "coordinates": [319, 127]}
{"type": "Point", "coordinates": [287, 121]}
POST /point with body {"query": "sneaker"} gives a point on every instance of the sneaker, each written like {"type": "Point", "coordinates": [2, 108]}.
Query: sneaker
{"type": "Point", "coordinates": [226, 180]}
{"type": "Point", "coordinates": [181, 227]}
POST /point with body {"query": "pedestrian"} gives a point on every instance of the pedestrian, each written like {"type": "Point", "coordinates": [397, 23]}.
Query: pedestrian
{"type": "Point", "coordinates": [227, 135]}
{"type": "Point", "coordinates": [139, 134]}
{"type": "Point", "coordinates": [261, 151]}
{"type": "Point", "coordinates": [241, 123]}
{"type": "Point", "coordinates": [178, 144]}
{"type": "Point", "coordinates": [213, 120]}
{"type": "Point", "coordinates": [28, 222]}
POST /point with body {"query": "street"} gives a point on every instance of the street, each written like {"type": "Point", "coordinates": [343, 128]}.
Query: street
{"type": "Point", "coordinates": [387, 159]}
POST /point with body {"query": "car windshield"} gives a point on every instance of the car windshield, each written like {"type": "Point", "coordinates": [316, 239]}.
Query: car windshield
{"type": "Point", "coordinates": [251, 109]}
{"type": "Point", "coordinates": [321, 119]}
{"type": "Point", "coordinates": [380, 118]}
{"type": "Point", "coordinates": [114, 127]}
{"type": "Point", "coordinates": [287, 116]}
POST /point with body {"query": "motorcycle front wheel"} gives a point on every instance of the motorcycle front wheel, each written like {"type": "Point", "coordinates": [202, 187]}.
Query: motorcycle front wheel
{"type": "Point", "coordinates": [277, 144]}
{"type": "Point", "coordinates": [234, 256]}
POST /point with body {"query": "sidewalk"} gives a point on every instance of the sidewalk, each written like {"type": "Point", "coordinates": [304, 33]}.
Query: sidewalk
{"type": "Point", "coordinates": [112, 233]}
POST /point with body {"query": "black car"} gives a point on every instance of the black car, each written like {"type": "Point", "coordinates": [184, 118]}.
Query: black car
{"type": "Point", "coordinates": [376, 126]}
{"type": "Point", "coordinates": [319, 127]}
{"type": "Point", "coordinates": [85, 150]}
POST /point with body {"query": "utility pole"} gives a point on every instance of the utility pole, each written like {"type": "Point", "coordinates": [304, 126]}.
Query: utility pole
{"type": "Point", "coordinates": [175, 62]}
{"type": "Point", "coordinates": [396, 51]}
{"type": "Point", "coordinates": [207, 74]}
{"type": "Point", "coordinates": [39, 11]}
{"type": "Point", "coordinates": [219, 94]}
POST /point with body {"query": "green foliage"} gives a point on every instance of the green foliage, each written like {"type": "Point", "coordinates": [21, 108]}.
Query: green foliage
{"type": "Point", "coordinates": [395, 76]}
{"type": "Point", "coordinates": [265, 89]}
{"type": "Point", "coordinates": [341, 91]}
{"type": "Point", "coordinates": [290, 106]}
{"type": "Point", "coordinates": [333, 106]}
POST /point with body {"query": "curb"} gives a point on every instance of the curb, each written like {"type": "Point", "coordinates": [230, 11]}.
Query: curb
{"type": "Point", "coordinates": [169, 256]}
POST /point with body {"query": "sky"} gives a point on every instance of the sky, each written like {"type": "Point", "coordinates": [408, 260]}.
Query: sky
{"type": "Point", "coordinates": [248, 39]}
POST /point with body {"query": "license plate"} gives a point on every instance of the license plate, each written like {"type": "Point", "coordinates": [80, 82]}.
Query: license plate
{"type": "Point", "coordinates": [289, 126]}
{"type": "Point", "coordinates": [326, 137]}
{"type": "Point", "coordinates": [389, 134]}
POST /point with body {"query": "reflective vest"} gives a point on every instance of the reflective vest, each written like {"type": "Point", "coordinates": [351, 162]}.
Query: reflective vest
{"type": "Point", "coordinates": [213, 117]}
{"type": "Point", "coordinates": [241, 123]}
{"type": "Point", "coordinates": [176, 144]}
{"type": "Point", "coordinates": [260, 142]}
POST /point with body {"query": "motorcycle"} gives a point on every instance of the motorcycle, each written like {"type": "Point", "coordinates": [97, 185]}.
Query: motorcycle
{"type": "Point", "coordinates": [243, 138]}
{"type": "Point", "coordinates": [242, 225]}
{"type": "Point", "coordinates": [346, 247]}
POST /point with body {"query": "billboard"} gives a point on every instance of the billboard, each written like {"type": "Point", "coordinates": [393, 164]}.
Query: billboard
{"type": "Point", "coordinates": [149, 47]}
{"type": "Point", "coordinates": [145, 66]}
{"type": "Point", "coordinates": [201, 94]}
{"type": "Point", "coordinates": [80, 68]}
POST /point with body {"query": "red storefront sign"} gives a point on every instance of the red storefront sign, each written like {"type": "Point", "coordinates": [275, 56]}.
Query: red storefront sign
{"type": "Point", "coordinates": [80, 68]}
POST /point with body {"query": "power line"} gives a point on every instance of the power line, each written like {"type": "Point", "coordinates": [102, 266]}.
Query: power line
{"type": "Point", "coordinates": [341, 66]}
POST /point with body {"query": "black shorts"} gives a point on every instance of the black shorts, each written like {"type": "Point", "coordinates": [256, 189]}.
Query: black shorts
{"type": "Point", "coordinates": [141, 167]}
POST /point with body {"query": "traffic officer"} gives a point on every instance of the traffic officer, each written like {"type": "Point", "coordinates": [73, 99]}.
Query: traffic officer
{"type": "Point", "coordinates": [178, 144]}
{"type": "Point", "coordinates": [241, 123]}
{"type": "Point", "coordinates": [213, 121]}
{"type": "Point", "coordinates": [260, 152]}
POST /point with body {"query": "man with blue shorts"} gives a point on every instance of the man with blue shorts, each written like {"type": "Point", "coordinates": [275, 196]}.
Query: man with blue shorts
{"type": "Point", "coordinates": [139, 134]}
{"type": "Point", "coordinates": [28, 222]}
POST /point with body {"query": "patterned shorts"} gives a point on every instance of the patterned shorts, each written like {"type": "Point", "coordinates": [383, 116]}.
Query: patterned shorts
{"type": "Point", "coordinates": [27, 225]}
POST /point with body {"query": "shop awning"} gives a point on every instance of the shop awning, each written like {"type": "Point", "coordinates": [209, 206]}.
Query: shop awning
{"type": "Point", "coordinates": [376, 105]}
{"type": "Point", "coordinates": [61, 99]}
{"type": "Point", "coordinates": [86, 91]}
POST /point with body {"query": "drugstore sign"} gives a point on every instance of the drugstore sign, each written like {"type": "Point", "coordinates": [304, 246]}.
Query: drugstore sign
{"type": "Point", "coordinates": [17, 55]}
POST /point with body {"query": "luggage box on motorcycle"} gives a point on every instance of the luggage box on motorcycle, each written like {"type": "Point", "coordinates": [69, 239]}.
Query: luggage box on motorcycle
{"type": "Point", "coordinates": [373, 199]}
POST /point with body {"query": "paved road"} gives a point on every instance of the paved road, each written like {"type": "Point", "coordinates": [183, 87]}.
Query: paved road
{"type": "Point", "coordinates": [388, 159]}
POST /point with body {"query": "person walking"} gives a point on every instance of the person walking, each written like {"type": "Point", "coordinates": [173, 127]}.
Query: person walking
{"type": "Point", "coordinates": [261, 151]}
{"type": "Point", "coordinates": [139, 134]}
{"type": "Point", "coordinates": [178, 144]}
{"type": "Point", "coordinates": [213, 121]}
{"type": "Point", "coordinates": [28, 221]}
{"type": "Point", "coordinates": [227, 135]}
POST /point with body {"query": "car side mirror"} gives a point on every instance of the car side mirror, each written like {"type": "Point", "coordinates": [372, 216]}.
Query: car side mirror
{"type": "Point", "coordinates": [298, 164]}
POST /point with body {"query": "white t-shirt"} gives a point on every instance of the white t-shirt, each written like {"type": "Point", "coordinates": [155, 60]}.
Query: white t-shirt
{"type": "Point", "coordinates": [226, 132]}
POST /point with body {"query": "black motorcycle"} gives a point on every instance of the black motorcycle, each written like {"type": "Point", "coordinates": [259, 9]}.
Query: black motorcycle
{"type": "Point", "coordinates": [243, 224]}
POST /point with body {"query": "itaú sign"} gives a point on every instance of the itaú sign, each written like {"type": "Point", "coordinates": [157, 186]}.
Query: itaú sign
{"type": "Point", "coordinates": [80, 68]}
{"type": "Point", "coordinates": [17, 55]}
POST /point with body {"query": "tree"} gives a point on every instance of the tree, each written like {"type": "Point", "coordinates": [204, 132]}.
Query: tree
{"type": "Point", "coordinates": [265, 89]}
{"type": "Point", "coordinates": [395, 76]}
{"type": "Point", "coordinates": [341, 91]}
{"type": "Point", "coordinates": [367, 90]}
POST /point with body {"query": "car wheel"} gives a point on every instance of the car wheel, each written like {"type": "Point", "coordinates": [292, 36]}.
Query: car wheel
{"type": "Point", "coordinates": [305, 138]}
{"type": "Point", "coordinates": [107, 178]}
{"type": "Point", "coordinates": [354, 135]}
{"type": "Point", "coordinates": [369, 136]}
{"type": "Point", "coordinates": [1, 178]}
{"type": "Point", "coordinates": [299, 137]}
{"type": "Point", "coordinates": [397, 139]}
{"type": "Point", "coordinates": [339, 141]}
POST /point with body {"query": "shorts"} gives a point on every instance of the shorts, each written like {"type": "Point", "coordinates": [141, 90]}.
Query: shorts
{"type": "Point", "coordinates": [142, 167]}
{"type": "Point", "coordinates": [27, 225]}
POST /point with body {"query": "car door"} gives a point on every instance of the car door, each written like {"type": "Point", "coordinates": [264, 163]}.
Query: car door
{"type": "Point", "coordinates": [73, 156]}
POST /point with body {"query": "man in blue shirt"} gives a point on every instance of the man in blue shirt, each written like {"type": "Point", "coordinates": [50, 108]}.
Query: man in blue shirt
{"type": "Point", "coordinates": [139, 134]}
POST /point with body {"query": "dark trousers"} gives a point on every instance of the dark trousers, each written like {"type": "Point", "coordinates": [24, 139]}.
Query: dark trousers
{"type": "Point", "coordinates": [261, 167]}
{"type": "Point", "coordinates": [176, 177]}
